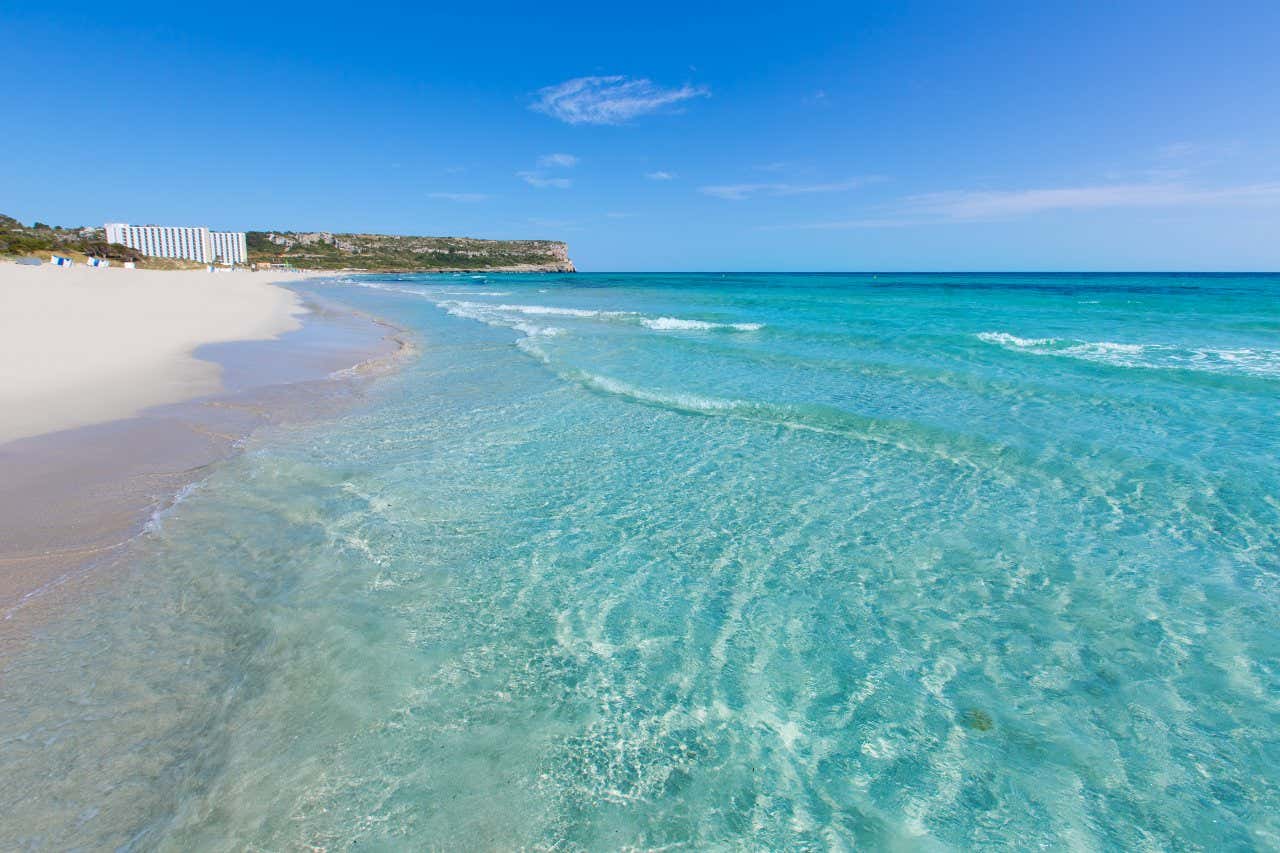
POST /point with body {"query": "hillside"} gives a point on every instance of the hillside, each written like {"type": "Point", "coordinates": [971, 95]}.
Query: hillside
{"type": "Point", "coordinates": [385, 252]}
{"type": "Point", "coordinates": [40, 239]}
{"type": "Point", "coordinates": [313, 250]}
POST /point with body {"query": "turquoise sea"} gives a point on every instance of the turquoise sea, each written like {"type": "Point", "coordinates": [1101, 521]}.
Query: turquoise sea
{"type": "Point", "coordinates": [768, 561]}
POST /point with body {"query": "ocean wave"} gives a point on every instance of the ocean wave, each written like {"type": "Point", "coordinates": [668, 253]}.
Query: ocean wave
{"type": "Point", "coordinates": [372, 285]}
{"type": "Point", "coordinates": [672, 400]}
{"type": "Point", "coordinates": [676, 324]}
{"type": "Point", "coordinates": [538, 331]}
{"type": "Point", "coordinates": [474, 310]}
{"type": "Point", "coordinates": [903, 435]}
{"type": "Point", "coordinates": [501, 316]}
{"type": "Point", "coordinates": [1240, 360]}
{"type": "Point", "coordinates": [1006, 339]}
{"type": "Point", "coordinates": [511, 315]}
{"type": "Point", "coordinates": [556, 311]}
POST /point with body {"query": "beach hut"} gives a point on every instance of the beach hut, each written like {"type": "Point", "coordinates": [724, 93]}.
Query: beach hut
{"type": "Point", "coordinates": [59, 260]}
{"type": "Point", "coordinates": [99, 262]}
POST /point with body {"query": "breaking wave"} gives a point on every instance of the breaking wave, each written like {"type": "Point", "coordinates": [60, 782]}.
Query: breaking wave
{"type": "Point", "coordinates": [1006, 339]}
{"type": "Point", "coordinates": [509, 316]}
{"type": "Point", "coordinates": [675, 324]}
{"type": "Point", "coordinates": [1244, 361]}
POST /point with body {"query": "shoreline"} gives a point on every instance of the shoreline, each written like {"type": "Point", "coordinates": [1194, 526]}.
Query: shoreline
{"type": "Point", "coordinates": [72, 500]}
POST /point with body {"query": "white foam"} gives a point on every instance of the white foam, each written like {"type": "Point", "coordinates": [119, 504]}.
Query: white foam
{"type": "Point", "coordinates": [538, 331]}
{"type": "Point", "coordinates": [1006, 339]}
{"type": "Point", "coordinates": [501, 316]}
{"type": "Point", "coordinates": [510, 315]}
{"type": "Point", "coordinates": [556, 311]}
{"type": "Point", "coordinates": [1107, 348]}
{"type": "Point", "coordinates": [676, 324]}
{"type": "Point", "coordinates": [667, 324]}
{"type": "Point", "coordinates": [1155, 356]}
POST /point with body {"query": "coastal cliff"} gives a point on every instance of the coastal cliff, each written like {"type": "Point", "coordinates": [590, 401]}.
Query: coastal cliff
{"type": "Point", "coordinates": [388, 253]}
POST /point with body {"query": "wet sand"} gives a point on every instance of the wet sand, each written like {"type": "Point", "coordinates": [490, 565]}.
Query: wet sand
{"type": "Point", "coordinates": [70, 501]}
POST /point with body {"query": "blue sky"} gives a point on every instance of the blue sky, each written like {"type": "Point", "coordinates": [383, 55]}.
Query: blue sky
{"type": "Point", "coordinates": [668, 136]}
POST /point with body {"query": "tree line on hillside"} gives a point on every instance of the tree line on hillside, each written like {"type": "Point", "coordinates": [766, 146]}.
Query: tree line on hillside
{"type": "Point", "coordinates": [320, 250]}
{"type": "Point", "coordinates": [37, 238]}
{"type": "Point", "coordinates": [323, 250]}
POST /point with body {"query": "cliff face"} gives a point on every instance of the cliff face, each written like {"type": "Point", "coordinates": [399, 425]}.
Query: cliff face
{"type": "Point", "coordinates": [386, 252]}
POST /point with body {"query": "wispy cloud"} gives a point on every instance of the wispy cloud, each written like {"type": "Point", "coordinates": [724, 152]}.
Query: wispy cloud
{"type": "Point", "coordinates": [609, 100]}
{"type": "Point", "coordinates": [541, 180]}
{"type": "Point", "coordinates": [553, 223]}
{"type": "Point", "coordinates": [738, 192]}
{"type": "Point", "coordinates": [546, 163]}
{"type": "Point", "coordinates": [660, 175]}
{"type": "Point", "coordinates": [1177, 150]}
{"type": "Point", "coordinates": [460, 196]}
{"type": "Point", "coordinates": [1003, 204]}
{"type": "Point", "coordinates": [618, 215]}
{"type": "Point", "coordinates": [552, 161]}
{"type": "Point", "coordinates": [963, 206]}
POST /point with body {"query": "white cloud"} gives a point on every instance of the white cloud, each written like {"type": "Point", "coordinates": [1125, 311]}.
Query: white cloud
{"type": "Point", "coordinates": [849, 224]}
{"type": "Point", "coordinates": [1002, 204]}
{"type": "Point", "coordinates": [538, 179]}
{"type": "Point", "coordinates": [609, 100]}
{"type": "Point", "coordinates": [961, 206]}
{"type": "Point", "coordinates": [738, 192]}
{"type": "Point", "coordinates": [552, 161]}
{"type": "Point", "coordinates": [552, 223]}
{"type": "Point", "coordinates": [660, 175]}
{"type": "Point", "coordinates": [460, 196]}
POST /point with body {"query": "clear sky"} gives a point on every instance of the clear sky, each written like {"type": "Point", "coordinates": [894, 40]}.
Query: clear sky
{"type": "Point", "coordinates": [849, 136]}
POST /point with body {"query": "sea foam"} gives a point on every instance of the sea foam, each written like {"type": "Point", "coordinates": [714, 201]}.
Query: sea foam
{"type": "Point", "coordinates": [511, 315]}
{"type": "Point", "coordinates": [676, 324]}
{"type": "Point", "coordinates": [1245, 361]}
{"type": "Point", "coordinates": [1006, 339]}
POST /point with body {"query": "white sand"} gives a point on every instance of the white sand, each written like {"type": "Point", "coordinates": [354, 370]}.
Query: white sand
{"type": "Point", "coordinates": [81, 345]}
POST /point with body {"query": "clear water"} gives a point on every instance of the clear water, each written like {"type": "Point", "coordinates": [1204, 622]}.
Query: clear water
{"type": "Point", "coordinates": [783, 561]}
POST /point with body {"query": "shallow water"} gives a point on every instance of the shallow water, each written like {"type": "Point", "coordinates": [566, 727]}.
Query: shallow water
{"type": "Point", "coordinates": [781, 561]}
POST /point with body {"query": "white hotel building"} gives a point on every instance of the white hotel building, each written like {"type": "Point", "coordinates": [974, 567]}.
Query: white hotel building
{"type": "Point", "coordinates": [195, 244]}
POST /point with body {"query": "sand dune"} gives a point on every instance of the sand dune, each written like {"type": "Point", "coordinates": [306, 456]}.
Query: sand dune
{"type": "Point", "coordinates": [81, 346]}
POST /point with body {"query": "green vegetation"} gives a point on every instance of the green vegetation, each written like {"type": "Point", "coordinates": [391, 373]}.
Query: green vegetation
{"type": "Point", "coordinates": [383, 252]}
{"type": "Point", "coordinates": [317, 250]}
{"type": "Point", "coordinates": [17, 239]}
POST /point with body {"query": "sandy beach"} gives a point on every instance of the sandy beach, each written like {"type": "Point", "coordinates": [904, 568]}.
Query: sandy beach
{"type": "Point", "coordinates": [120, 387]}
{"type": "Point", "coordinates": [81, 346]}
